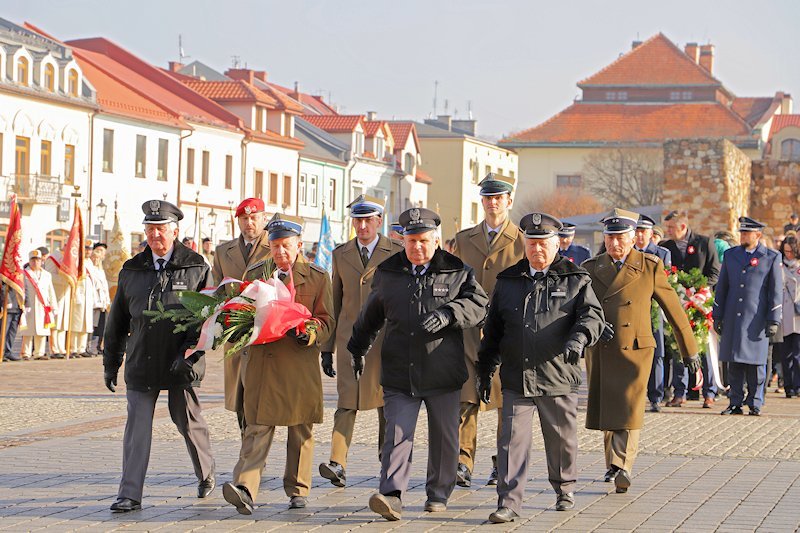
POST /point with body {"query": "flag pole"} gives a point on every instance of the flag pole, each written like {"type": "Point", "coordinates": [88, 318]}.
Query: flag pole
{"type": "Point", "coordinates": [5, 320]}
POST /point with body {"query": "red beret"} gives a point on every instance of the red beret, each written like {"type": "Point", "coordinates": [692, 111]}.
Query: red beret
{"type": "Point", "coordinates": [250, 206]}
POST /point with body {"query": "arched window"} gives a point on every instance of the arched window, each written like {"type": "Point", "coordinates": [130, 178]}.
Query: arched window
{"type": "Point", "coordinates": [73, 82]}
{"type": "Point", "coordinates": [49, 77]}
{"type": "Point", "coordinates": [22, 71]}
{"type": "Point", "coordinates": [790, 149]}
{"type": "Point", "coordinates": [409, 163]}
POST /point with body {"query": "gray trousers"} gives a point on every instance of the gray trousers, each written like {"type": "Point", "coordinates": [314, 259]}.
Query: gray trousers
{"type": "Point", "coordinates": [401, 411]}
{"type": "Point", "coordinates": [558, 417]}
{"type": "Point", "coordinates": [186, 413]}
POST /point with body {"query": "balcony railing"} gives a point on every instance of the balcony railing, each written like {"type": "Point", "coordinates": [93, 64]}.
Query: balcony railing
{"type": "Point", "coordinates": [34, 188]}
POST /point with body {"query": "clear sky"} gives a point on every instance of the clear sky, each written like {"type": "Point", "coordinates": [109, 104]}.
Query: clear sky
{"type": "Point", "coordinates": [516, 61]}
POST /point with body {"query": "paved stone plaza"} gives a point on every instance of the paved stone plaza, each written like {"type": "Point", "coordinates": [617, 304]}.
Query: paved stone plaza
{"type": "Point", "coordinates": [60, 460]}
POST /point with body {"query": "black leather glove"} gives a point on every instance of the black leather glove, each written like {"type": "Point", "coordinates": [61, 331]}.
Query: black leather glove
{"type": "Point", "coordinates": [771, 330]}
{"type": "Point", "coordinates": [608, 332]}
{"type": "Point", "coordinates": [301, 338]}
{"type": "Point", "coordinates": [327, 364]}
{"type": "Point", "coordinates": [718, 326]}
{"type": "Point", "coordinates": [692, 363]}
{"type": "Point", "coordinates": [358, 366]}
{"type": "Point", "coordinates": [181, 367]}
{"type": "Point", "coordinates": [573, 349]}
{"type": "Point", "coordinates": [436, 320]}
{"type": "Point", "coordinates": [111, 381]}
{"type": "Point", "coordinates": [484, 385]}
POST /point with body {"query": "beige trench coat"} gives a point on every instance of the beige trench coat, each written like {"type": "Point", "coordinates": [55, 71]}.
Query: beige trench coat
{"type": "Point", "coordinates": [472, 247]}
{"type": "Point", "coordinates": [351, 286]}
{"type": "Point", "coordinates": [229, 262]}
{"type": "Point", "coordinates": [282, 379]}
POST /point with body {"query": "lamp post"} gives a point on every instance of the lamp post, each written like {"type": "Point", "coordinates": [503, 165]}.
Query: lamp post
{"type": "Point", "coordinates": [212, 216]}
{"type": "Point", "coordinates": [102, 209]}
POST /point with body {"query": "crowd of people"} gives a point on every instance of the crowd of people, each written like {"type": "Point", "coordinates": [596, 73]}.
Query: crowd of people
{"type": "Point", "coordinates": [498, 318]}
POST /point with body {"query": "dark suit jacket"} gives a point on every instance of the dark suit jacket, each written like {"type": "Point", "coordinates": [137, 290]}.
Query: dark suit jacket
{"type": "Point", "coordinates": [700, 253]}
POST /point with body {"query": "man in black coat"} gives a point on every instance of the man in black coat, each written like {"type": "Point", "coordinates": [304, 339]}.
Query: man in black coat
{"type": "Point", "coordinates": [155, 356]}
{"type": "Point", "coordinates": [691, 250]}
{"type": "Point", "coordinates": [542, 316]}
{"type": "Point", "coordinates": [426, 297]}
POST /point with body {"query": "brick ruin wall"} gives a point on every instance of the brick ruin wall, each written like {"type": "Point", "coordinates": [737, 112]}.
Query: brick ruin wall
{"type": "Point", "coordinates": [775, 193]}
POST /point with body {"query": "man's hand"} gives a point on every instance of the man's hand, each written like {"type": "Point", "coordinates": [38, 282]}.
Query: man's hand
{"type": "Point", "coordinates": [327, 364]}
{"type": "Point", "coordinates": [358, 366]}
{"type": "Point", "coordinates": [608, 332]}
{"type": "Point", "coordinates": [484, 385]}
{"type": "Point", "coordinates": [111, 381]}
{"type": "Point", "coordinates": [573, 349]}
{"type": "Point", "coordinates": [437, 320]}
{"type": "Point", "coordinates": [305, 338]}
{"type": "Point", "coordinates": [771, 330]}
{"type": "Point", "coordinates": [718, 326]}
{"type": "Point", "coordinates": [181, 367]}
{"type": "Point", "coordinates": [692, 363]}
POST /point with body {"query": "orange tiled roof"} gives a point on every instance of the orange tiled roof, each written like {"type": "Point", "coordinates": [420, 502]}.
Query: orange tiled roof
{"type": "Point", "coordinates": [752, 110]}
{"type": "Point", "coordinates": [285, 101]}
{"type": "Point", "coordinates": [315, 104]}
{"type": "Point", "coordinates": [423, 177]}
{"type": "Point", "coordinates": [657, 61]}
{"type": "Point", "coordinates": [371, 127]}
{"type": "Point", "coordinates": [231, 91]}
{"type": "Point", "coordinates": [621, 123]}
{"type": "Point", "coordinates": [335, 123]}
{"type": "Point", "coordinates": [400, 132]}
{"type": "Point", "coordinates": [782, 121]}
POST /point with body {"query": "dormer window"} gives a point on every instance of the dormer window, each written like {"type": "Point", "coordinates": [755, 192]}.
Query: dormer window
{"type": "Point", "coordinates": [790, 150]}
{"type": "Point", "coordinates": [49, 77]}
{"type": "Point", "coordinates": [409, 163]}
{"type": "Point", "coordinates": [72, 83]}
{"type": "Point", "coordinates": [22, 71]}
{"type": "Point", "coordinates": [380, 147]}
{"type": "Point", "coordinates": [617, 95]}
{"type": "Point", "coordinates": [359, 147]}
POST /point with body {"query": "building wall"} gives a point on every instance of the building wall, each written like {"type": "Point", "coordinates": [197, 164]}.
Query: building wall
{"type": "Point", "coordinates": [774, 193]}
{"type": "Point", "coordinates": [311, 212]}
{"type": "Point", "coordinates": [272, 159]}
{"type": "Point", "coordinates": [538, 168]}
{"type": "Point", "coordinates": [789, 132]}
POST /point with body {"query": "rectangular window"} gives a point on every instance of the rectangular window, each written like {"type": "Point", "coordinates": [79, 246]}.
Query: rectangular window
{"type": "Point", "coordinates": [258, 186]}
{"type": "Point", "coordinates": [500, 171]}
{"type": "Point", "coordinates": [487, 170]}
{"type": "Point", "coordinates": [108, 150]}
{"type": "Point", "coordinates": [163, 151]}
{"type": "Point", "coordinates": [332, 194]}
{"type": "Point", "coordinates": [511, 174]}
{"type": "Point", "coordinates": [273, 188]}
{"type": "Point", "coordinates": [675, 95]}
{"type": "Point", "coordinates": [301, 190]}
{"type": "Point", "coordinates": [567, 180]}
{"type": "Point", "coordinates": [23, 159]}
{"type": "Point", "coordinates": [312, 191]}
{"type": "Point", "coordinates": [229, 172]}
{"type": "Point", "coordinates": [287, 191]}
{"type": "Point", "coordinates": [69, 164]}
{"type": "Point", "coordinates": [204, 168]}
{"type": "Point", "coordinates": [190, 165]}
{"type": "Point", "coordinates": [141, 156]}
{"type": "Point", "coordinates": [1, 154]}
{"type": "Point", "coordinates": [476, 170]}
{"type": "Point", "coordinates": [474, 212]}
{"type": "Point", "coordinates": [45, 166]}
{"type": "Point", "coordinates": [686, 95]}
{"type": "Point", "coordinates": [260, 119]}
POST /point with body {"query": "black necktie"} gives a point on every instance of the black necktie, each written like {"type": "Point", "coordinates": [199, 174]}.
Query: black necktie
{"type": "Point", "coordinates": [282, 275]}
{"type": "Point", "coordinates": [492, 235]}
{"type": "Point", "coordinates": [161, 262]}
{"type": "Point", "coordinates": [618, 264]}
{"type": "Point", "coordinates": [249, 248]}
{"type": "Point", "coordinates": [418, 270]}
{"type": "Point", "coordinates": [538, 275]}
{"type": "Point", "coordinates": [364, 256]}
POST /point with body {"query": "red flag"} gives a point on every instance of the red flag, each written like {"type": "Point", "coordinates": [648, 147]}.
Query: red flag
{"type": "Point", "coordinates": [11, 271]}
{"type": "Point", "coordinates": [72, 260]}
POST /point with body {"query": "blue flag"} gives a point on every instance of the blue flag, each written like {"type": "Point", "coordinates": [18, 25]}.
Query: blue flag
{"type": "Point", "coordinates": [324, 258]}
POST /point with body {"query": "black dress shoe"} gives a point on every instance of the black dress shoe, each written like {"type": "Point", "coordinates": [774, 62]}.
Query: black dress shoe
{"type": "Point", "coordinates": [297, 502]}
{"type": "Point", "coordinates": [611, 474]}
{"type": "Point", "coordinates": [622, 481]}
{"type": "Point", "coordinates": [463, 476]}
{"type": "Point", "coordinates": [334, 472]}
{"type": "Point", "coordinates": [206, 487]}
{"type": "Point", "coordinates": [755, 411]}
{"type": "Point", "coordinates": [388, 507]}
{"type": "Point", "coordinates": [654, 407]}
{"type": "Point", "coordinates": [732, 410]}
{"type": "Point", "coordinates": [502, 515]}
{"type": "Point", "coordinates": [239, 497]}
{"type": "Point", "coordinates": [492, 481]}
{"type": "Point", "coordinates": [565, 501]}
{"type": "Point", "coordinates": [124, 505]}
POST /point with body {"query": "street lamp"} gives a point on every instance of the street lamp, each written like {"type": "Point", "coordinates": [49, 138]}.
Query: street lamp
{"type": "Point", "coordinates": [102, 209]}
{"type": "Point", "coordinates": [212, 215]}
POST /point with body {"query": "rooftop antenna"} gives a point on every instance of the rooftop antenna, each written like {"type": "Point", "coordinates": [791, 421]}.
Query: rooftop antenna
{"type": "Point", "coordinates": [181, 53]}
{"type": "Point", "coordinates": [435, 94]}
{"type": "Point", "coordinates": [469, 109]}
{"type": "Point", "coordinates": [446, 105]}
{"type": "Point", "coordinates": [236, 61]}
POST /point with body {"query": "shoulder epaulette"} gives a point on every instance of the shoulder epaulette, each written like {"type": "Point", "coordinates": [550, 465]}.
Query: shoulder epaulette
{"type": "Point", "coordinates": [340, 245]}
{"type": "Point", "coordinates": [652, 257]}
{"type": "Point", "coordinates": [318, 268]}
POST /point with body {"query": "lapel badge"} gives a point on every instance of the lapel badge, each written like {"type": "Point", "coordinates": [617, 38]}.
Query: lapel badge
{"type": "Point", "coordinates": [754, 262]}
{"type": "Point", "coordinates": [690, 250]}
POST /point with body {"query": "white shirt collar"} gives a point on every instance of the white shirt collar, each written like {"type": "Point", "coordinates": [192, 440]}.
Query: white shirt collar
{"type": "Point", "coordinates": [534, 271]}
{"type": "Point", "coordinates": [498, 229]}
{"type": "Point", "coordinates": [370, 247]}
{"type": "Point", "coordinates": [166, 257]}
{"type": "Point", "coordinates": [425, 269]}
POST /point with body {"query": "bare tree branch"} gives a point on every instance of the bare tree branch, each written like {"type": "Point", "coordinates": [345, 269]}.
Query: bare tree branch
{"type": "Point", "coordinates": [625, 177]}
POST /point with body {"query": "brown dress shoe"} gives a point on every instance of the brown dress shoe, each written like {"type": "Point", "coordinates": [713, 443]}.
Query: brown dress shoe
{"type": "Point", "coordinates": [708, 403]}
{"type": "Point", "coordinates": [676, 402]}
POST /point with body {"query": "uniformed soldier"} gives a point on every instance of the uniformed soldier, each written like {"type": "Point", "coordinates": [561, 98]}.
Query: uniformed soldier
{"type": "Point", "coordinates": [354, 264]}
{"type": "Point", "coordinates": [231, 260]}
{"type": "Point", "coordinates": [425, 297]}
{"type": "Point", "coordinates": [626, 280]}
{"type": "Point", "coordinates": [542, 316]}
{"type": "Point", "coordinates": [567, 248]}
{"type": "Point", "coordinates": [489, 248]}
{"type": "Point", "coordinates": [155, 356]}
{"type": "Point", "coordinates": [282, 383]}
{"type": "Point", "coordinates": [691, 250]}
{"type": "Point", "coordinates": [747, 311]}
{"type": "Point", "coordinates": [660, 371]}
{"type": "Point", "coordinates": [396, 231]}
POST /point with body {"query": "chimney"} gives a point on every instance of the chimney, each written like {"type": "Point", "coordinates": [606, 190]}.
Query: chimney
{"type": "Point", "coordinates": [372, 116]}
{"type": "Point", "coordinates": [693, 51]}
{"type": "Point", "coordinates": [244, 74]}
{"type": "Point", "coordinates": [707, 57]}
{"type": "Point", "coordinates": [296, 93]}
{"type": "Point", "coordinates": [786, 103]}
{"type": "Point", "coordinates": [470, 127]}
{"type": "Point", "coordinates": [635, 44]}
{"type": "Point", "coordinates": [445, 121]}
{"type": "Point", "coordinates": [175, 66]}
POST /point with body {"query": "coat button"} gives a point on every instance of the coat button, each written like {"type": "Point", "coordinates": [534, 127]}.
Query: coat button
{"type": "Point", "coordinates": [412, 333]}
{"type": "Point", "coordinates": [624, 347]}
{"type": "Point", "coordinates": [628, 302]}
{"type": "Point", "coordinates": [526, 359]}
{"type": "Point", "coordinates": [738, 314]}
{"type": "Point", "coordinates": [626, 325]}
{"type": "Point", "coordinates": [744, 271]}
{"type": "Point", "coordinates": [740, 299]}
{"type": "Point", "coordinates": [527, 325]}
{"type": "Point", "coordinates": [412, 364]}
